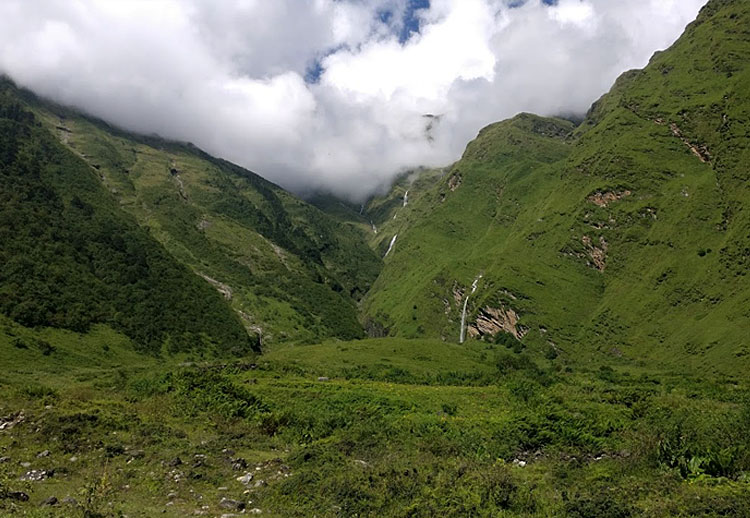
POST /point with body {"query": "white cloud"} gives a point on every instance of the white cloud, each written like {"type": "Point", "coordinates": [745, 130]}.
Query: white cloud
{"type": "Point", "coordinates": [230, 76]}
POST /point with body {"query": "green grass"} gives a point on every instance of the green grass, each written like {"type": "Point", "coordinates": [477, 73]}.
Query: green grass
{"type": "Point", "coordinates": [398, 428]}
{"type": "Point", "coordinates": [626, 397]}
{"type": "Point", "coordinates": [673, 290]}
{"type": "Point", "coordinates": [294, 272]}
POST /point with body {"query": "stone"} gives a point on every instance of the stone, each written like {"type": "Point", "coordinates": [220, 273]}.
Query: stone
{"type": "Point", "coordinates": [70, 500]}
{"type": "Point", "coordinates": [3, 460]}
{"type": "Point", "coordinates": [8, 422]}
{"type": "Point", "coordinates": [175, 462]}
{"type": "Point", "coordinates": [323, 378]}
{"type": "Point", "coordinates": [50, 501]}
{"type": "Point", "coordinates": [18, 495]}
{"type": "Point", "coordinates": [245, 479]}
{"type": "Point", "coordinates": [239, 464]}
{"type": "Point", "coordinates": [228, 503]}
{"type": "Point", "coordinates": [45, 453]}
{"type": "Point", "coordinates": [36, 475]}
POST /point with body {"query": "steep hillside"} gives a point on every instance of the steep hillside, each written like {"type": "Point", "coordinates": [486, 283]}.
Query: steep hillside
{"type": "Point", "coordinates": [382, 216]}
{"type": "Point", "coordinates": [623, 237]}
{"type": "Point", "coordinates": [289, 271]}
{"type": "Point", "coordinates": [71, 258]}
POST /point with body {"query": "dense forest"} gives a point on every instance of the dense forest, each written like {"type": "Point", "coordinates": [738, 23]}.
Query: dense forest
{"type": "Point", "coordinates": [70, 258]}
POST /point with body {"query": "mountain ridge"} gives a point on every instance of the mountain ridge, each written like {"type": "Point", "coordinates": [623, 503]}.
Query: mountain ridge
{"type": "Point", "coordinates": [565, 227]}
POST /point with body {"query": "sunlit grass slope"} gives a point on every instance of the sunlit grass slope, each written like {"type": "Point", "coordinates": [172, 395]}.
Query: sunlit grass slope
{"type": "Point", "coordinates": [623, 237]}
{"type": "Point", "coordinates": [289, 271]}
{"type": "Point", "coordinates": [386, 428]}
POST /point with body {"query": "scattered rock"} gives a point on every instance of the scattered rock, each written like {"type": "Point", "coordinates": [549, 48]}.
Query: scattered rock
{"type": "Point", "coordinates": [361, 463]}
{"type": "Point", "coordinates": [239, 464]}
{"type": "Point", "coordinates": [520, 463]}
{"type": "Point", "coordinates": [455, 181]}
{"type": "Point", "coordinates": [700, 151]}
{"type": "Point", "coordinates": [26, 464]}
{"type": "Point", "coordinates": [323, 378]}
{"type": "Point", "coordinates": [50, 501]}
{"type": "Point", "coordinates": [37, 475]}
{"type": "Point", "coordinates": [222, 488]}
{"type": "Point", "coordinates": [228, 503]}
{"type": "Point", "coordinates": [175, 462]}
{"type": "Point", "coordinates": [602, 199]}
{"type": "Point", "coordinates": [45, 453]}
{"type": "Point", "coordinates": [222, 288]}
{"type": "Point", "coordinates": [18, 495]}
{"type": "Point", "coordinates": [597, 254]}
{"type": "Point", "coordinates": [3, 460]}
{"type": "Point", "coordinates": [245, 479]}
{"type": "Point", "coordinates": [9, 421]}
{"type": "Point", "coordinates": [69, 500]}
{"type": "Point", "coordinates": [172, 495]}
{"type": "Point", "coordinates": [73, 459]}
{"type": "Point", "coordinates": [255, 510]}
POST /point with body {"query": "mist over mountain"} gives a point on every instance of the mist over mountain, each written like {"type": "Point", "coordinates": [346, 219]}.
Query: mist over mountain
{"type": "Point", "coordinates": [553, 325]}
{"type": "Point", "coordinates": [329, 95]}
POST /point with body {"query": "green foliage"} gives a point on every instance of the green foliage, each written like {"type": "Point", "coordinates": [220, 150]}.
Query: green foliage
{"type": "Point", "coordinates": [517, 441]}
{"type": "Point", "coordinates": [293, 272]}
{"type": "Point", "coordinates": [196, 392]}
{"type": "Point", "coordinates": [71, 259]}
{"type": "Point", "coordinates": [624, 236]}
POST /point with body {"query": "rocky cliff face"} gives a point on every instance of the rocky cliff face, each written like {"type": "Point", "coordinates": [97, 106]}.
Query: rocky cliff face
{"type": "Point", "coordinates": [491, 321]}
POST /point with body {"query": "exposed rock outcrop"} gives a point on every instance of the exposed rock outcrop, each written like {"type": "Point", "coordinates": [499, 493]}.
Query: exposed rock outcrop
{"type": "Point", "coordinates": [602, 199]}
{"type": "Point", "coordinates": [220, 286]}
{"type": "Point", "coordinates": [455, 181]}
{"type": "Point", "coordinates": [596, 254]}
{"type": "Point", "coordinates": [491, 321]}
{"type": "Point", "coordinates": [699, 151]}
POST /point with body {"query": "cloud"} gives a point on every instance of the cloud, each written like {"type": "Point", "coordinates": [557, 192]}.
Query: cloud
{"type": "Point", "coordinates": [329, 94]}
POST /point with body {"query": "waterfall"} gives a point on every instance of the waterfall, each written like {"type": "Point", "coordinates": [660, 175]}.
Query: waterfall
{"type": "Point", "coordinates": [462, 334]}
{"type": "Point", "coordinates": [390, 247]}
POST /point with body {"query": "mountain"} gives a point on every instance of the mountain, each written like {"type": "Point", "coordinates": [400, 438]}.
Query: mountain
{"type": "Point", "coordinates": [596, 270]}
{"type": "Point", "coordinates": [71, 258]}
{"type": "Point", "coordinates": [622, 237]}
{"type": "Point", "coordinates": [289, 271]}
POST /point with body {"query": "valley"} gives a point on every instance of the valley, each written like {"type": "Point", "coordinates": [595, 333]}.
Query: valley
{"type": "Point", "coordinates": [558, 324]}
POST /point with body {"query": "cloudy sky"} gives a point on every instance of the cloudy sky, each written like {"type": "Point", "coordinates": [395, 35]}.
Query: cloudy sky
{"type": "Point", "coordinates": [329, 94]}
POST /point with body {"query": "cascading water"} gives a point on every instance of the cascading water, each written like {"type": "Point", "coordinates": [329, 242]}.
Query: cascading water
{"type": "Point", "coordinates": [390, 247]}
{"type": "Point", "coordinates": [406, 198]}
{"type": "Point", "coordinates": [462, 334]}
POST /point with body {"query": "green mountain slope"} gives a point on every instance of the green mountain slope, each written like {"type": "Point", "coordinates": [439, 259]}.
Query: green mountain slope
{"type": "Point", "coordinates": [290, 271]}
{"type": "Point", "coordinates": [71, 258]}
{"type": "Point", "coordinates": [626, 236]}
